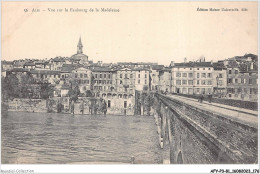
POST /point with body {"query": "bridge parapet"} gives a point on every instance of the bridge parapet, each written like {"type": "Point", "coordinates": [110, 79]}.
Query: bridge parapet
{"type": "Point", "coordinates": [206, 136]}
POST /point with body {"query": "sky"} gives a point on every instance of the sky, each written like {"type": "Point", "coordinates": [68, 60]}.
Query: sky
{"type": "Point", "coordinates": [158, 32]}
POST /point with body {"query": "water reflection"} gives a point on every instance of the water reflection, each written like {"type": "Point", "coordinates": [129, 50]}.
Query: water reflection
{"type": "Point", "coordinates": [44, 138]}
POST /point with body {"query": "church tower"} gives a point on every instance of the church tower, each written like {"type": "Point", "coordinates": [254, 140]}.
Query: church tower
{"type": "Point", "coordinates": [80, 46]}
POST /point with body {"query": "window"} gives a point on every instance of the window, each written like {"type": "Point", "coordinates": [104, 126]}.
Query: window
{"type": "Point", "coordinates": [85, 75]}
{"type": "Point", "coordinates": [203, 75]}
{"type": "Point", "coordinates": [178, 82]}
{"type": "Point", "coordinates": [87, 81]}
{"type": "Point", "coordinates": [145, 76]}
{"type": "Point", "coordinates": [236, 80]}
{"type": "Point", "coordinates": [126, 76]}
{"type": "Point", "coordinates": [145, 81]}
{"type": "Point", "coordinates": [138, 75]}
{"type": "Point", "coordinates": [236, 71]}
{"type": "Point", "coordinates": [81, 75]}
{"type": "Point", "coordinates": [178, 74]}
{"type": "Point", "coordinates": [108, 103]}
{"type": "Point", "coordinates": [209, 75]}
{"type": "Point", "coordinates": [203, 82]}
{"type": "Point", "coordinates": [125, 104]}
{"type": "Point", "coordinates": [190, 75]}
{"type": "Point", "coordinates": [105, 75]}
{"type": "Point", "coordinates": [184, 74]}
{"type": "Point", "coordinates": [229, 80]}
{"type": "Point", "coordinates": [198, 75]}
{"type": "Point", "coordinates": [242, 80]}
{"type": "Point", "coordinates": [190, 82]}
{"type": "Point", "coordinates": [220, 76]}
{"type": "Point", "coordinates": [220, 82]}
{"type": "Point", "coordinates": [95, 75]}
{"type": "Point", "coordinates": [198, 82]}
{"type": "Point", "coordinates": [198, 90]}
{"type": "Point", "coordinates": [250, 81]}
{"type": "Point", "coordinates": [229, 72]}
{"type": "Point", "coordinates": [76, 75]}
{"type": "Point", "coordinates": [184, 82]}
{"type": "Point", "coordinates": [121, 75]}
{"type": "Point", "coordinates": [84, 88]}
{"type": "Point", "coordinates": [138, 81]}
{"type": "Point", "coordinates": [100, 75]}
{"type": "Point", "coordinates": [198, 69]}
{"type": "Point", "coordinates": [131, 75]}
{"type": "Point", "coordinates": [209, 82]}
{"type": "Point", "coordinates": [209, 68]}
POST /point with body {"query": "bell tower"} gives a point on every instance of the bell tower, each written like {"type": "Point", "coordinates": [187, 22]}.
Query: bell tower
{"type": "Point", "coordinates": [80, 46]}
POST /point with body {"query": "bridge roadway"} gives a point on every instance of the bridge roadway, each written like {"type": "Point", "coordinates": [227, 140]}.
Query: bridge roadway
{"type": "Point", "coordinates": [244, 116]}
{"type": "Point", "coordinates": [205, 133]}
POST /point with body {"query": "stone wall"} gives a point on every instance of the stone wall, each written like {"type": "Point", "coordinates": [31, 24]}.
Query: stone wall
{"type": "Point", "coordinates": [202, 137]}
{"type": "Point", "coordinates": [27, 105]}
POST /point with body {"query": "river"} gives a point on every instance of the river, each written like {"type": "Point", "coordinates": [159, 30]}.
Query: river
{"type": "Point", "coordinates": [51, 138]}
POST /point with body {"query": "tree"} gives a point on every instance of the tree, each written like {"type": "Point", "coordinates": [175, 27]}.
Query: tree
{"type": "Point", "coordinates": [10, 86]}
{"type": "Point", "coordinates": [74, 93]}
{"type": "Point", "coordinates": [46, 90]}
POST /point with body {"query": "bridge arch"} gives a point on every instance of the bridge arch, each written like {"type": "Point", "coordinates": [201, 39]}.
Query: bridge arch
{"type": "Point", "coordinates": [179, 158]}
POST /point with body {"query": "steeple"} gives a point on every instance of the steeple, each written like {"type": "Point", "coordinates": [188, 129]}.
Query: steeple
{"type": "Point", "coordinates": [80, 46]}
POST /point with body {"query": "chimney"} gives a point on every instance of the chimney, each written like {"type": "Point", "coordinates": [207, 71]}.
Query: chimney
{"type": "Point", "coordinates": [185, 60]}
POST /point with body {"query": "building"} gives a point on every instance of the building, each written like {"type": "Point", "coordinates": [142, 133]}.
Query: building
{"type": "Point", "coordinates": [155, 81]}
{"type": "Point", "coordinates": [183, 78]}
{"type": "Point", "coordinates": [29, 65]}
{"type": "Point", "coordinates": [219, 79]}
{"type": "Point", "coordinates": [103, 81]}
{"type": "Point", "coordinates": [79, 58]}
{"type": "Point", "coordinates": [46, 76]}
{"type": "Point", "coordinates": [165, 80]}
{"type": "Point", "coordinates": [7, 65]}
{"type": "Point", "coordinates": [81, 77]}
{"type": "Point", "coordinates": [192, 78]}
{"type": "Point", "coordinates": [42, 65]}
{"type": "Point", "coordinates": [142, 79]}
{"type": "Point", "coordinates": [57, 63]}
{"type": "Point", "coordinates": [242, 78]}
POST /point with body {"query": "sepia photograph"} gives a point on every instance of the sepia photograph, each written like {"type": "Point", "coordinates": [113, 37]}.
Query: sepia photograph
{"type": "Point", "coordinates": [125, 83]}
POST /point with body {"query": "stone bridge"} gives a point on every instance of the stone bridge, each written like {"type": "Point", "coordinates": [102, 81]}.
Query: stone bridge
{"type": "Point", "coordinates": [191, 132]}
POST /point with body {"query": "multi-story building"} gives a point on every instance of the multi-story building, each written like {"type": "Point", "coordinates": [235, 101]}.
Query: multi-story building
{"type": "Point", "coordinates": [81, 77]}
{"type": "Point", "coordinates": [42, 65]}
{"type": "Point", "coordinates": [192, 78]}
{"type": "Point", "coordinates": [219, 79]}
{"type": "Point", "coordinates": [203, 78]}
{"type": "Point", "coordinates": [165, 79]}
{"type": "Point", "coordinates": [142, 79]}
{"type": "Point", "coordinates": [57, 63]}
{"type": "Point", "coordinates": [242, 79]}
{"type": "Point", "coordinates": [102, 81]}
{"type": "Point", "coordinates": [7, 65]}
{"type": "Point", "coordinates": [183, 78]}
{"type": "Point", "coordinates": [46, 76]}
{"type": "Point", "coordinates": [29, 65]}
{"type": "Point", "coordinates": [155, 81]}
